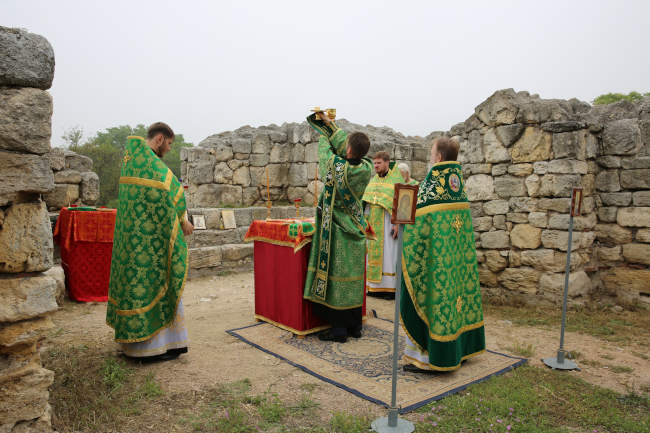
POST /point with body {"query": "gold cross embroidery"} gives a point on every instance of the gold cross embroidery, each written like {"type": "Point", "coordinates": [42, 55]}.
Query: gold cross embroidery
{"type": "Point", "coordinates": [459, 304]}
{"type": "Point", "coordinates": [457, 224]}
{"type": "Point", "coordinates": [127, 157]}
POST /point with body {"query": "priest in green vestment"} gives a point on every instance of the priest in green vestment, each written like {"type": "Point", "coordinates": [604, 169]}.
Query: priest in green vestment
{"type": "Point", "coordinates": [335, 273]}
{"type": "Point", "coordinates": [382, 255]}
{"type": "Point", "coordinates": [149, 262]}
{"type": "Point", "coordinates": [441, 309]}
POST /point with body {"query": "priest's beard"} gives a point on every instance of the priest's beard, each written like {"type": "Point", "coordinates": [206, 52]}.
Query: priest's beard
{"type": "Point", "coordinates": [158, 153]}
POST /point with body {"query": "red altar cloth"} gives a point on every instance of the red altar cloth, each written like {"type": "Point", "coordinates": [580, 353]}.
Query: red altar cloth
{"type": "Point", "coordinates": [86, 241]}
{"type": "Point", "coordinates": [280, 272]}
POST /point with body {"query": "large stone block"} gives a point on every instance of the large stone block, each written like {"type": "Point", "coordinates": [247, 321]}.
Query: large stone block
{"type": "Point", "coordinates": [517, 217]}
{"type": "Point", "coordinates": [495, 240]}
{"type": "Point", "coordinates": [280, 153]}
{"type": "Point", "coordinates": [533, 184]}
{"type": "Point", "coordinates": [57, 273]}
{"type": "Point", "coordinates": [25, 394]}
{"type": "Point", "coordinates": [487, 277]}
{"type": "Point", "coordinates": [621, 137]}
{"type": "Point", "coordinates": [567, 166]}
{"type": "Point", "coordinates": [211, 195]}
{"type": "Point", "coordinates": [25, 118]}
{"type": "Point", "coordinates": [202, 171]}
{"type": "Point", "coordinates": [616, 198]}
{"type": "Point", "coordinates": [637, 253]}
{"type": "Point", "coordinates": [634, 217]}
{"type": "Point", "coordinates": [525, 236]}
{"type": "Point", "coordinates": [607, 214]}
{"type": "Point", "coordinates": [480, 187]}
{"type": "Point", "coordinates": [499, 109]}
{"type": "Point", "coordinates": [278, 136]}
{"type": "Point", "coordinates": [74, 161]}
{"type": "Point", "coordinates": [523, 279]}
{"type": "Point", "coordinates": [612, 234]}
{"type": "Point", "coordinates": [89, 188]}
{"type": "Point", "coordinates": [56, 156]}
{"type": "Point", "coordinates": [237, 252]}
{"type": "Point", "coordinates": [569, 145]}
{"type": "Point", "coordinates": [549, 260]}
{"type": "Point", "coordinates": [23, 173]}
{"type": "Point", "coordinates": [311, 152]}
{"type": "Point", "coordinates": [261, 143]}
{"type": "Point", "coordinates": [559, 185]}
{"type": "Point", "coordinates": [221, 153]}
{"type": "Point", "coordinates": [643, 235]}
{"type": "Point", "coordinates": [298, 175]}
{"type": "Point", "coordinates": [494, 261]}
{"type": "Point", "coordinates": [626, 283]}
{"type": "Point", "coordinates": [493, 150]}
{"type": "Point", "coordinates": [67, 176]}
{"type": "Point", "coordinates": [508, 134]}
{"type": "Point", "coordinates": [471, 151]}
{"type": "Point", "coordinates": [26, 239]}
{"type": "Point", "coordinates": [608, 181]}
{"type": "Point", "coordinates": [523, 204]}
{"type": "Point", "coordinates": [553, 284]}
{"type": "Point", "coordinates": [62, 195]}
{"type": "Point", "coordinates": [510, 186]}
{"type": "Point", "coordinates": [205, 257]}
{"type": "Point", "coordinates": [641, 198]}
{"type": "Point", "coordinates": [499, 169]}
{"type": "Point", "coordinates": [609, 254]}
{"type": "Point", "coordinates": [241, 176]}
{"type": "Point", "coordinates": [25, 332]}
{"type": "Point", "coordinates": [211, 238]}
{"type": "Point", "coordinates": [222, 173]}
{"type": "Point", "coordinates": [533, 145]}
{"type": "Point", "coordinates": [520, 169]}
{"type": "Point", "coordinates": [559, 240]}
{"type": "Point", "coordinates": [26, 59]}
{"type": "Point", "coordinates": [241, 145]}
{"type": "Point", "coordinates": [26, 296]}
{"type": "Point", "coordinates": [609, 161]}
{"type": "Point", "coordinates": [482, 224]}
{"type": "Point", "coordinates": [496, 207]}
{"type": "Point", "coordinates": [580, 223]}
{"type": "Point", "coordinates": [470, 169]}
{"type": "Point", "coordinates": [636, 179]}
{"type": "Point", "coordinates": [636, 162]}
{"type": "Point", "coordinates": [563, 126]}
{"type": "Point", "coordinates": [538, 219]}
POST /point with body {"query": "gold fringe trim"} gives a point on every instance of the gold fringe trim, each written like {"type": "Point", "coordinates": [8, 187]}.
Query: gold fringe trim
{"type": "Point", "coordinates": [380, 289]}
{"type": "Point", "coordinates": [441, 207]}
{"type": "Point", "coordinates": [292, 245]}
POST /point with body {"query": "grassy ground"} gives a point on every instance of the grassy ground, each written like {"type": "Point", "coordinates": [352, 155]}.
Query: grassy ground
{"type": "Point", "coordinates": [96, 392]}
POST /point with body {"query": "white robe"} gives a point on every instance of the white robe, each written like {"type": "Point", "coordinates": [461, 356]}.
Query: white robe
{"type": "Point", "coordinates": [388, 278]}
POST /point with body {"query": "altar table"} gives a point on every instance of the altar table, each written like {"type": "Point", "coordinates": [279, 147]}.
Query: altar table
{"type": "Point", "coordinates": [85, 236]}
{"type": "Point", "coordinates": [281, 253]}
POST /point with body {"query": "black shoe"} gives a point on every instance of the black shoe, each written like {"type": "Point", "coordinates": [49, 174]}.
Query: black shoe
{"type": "Point", "coordinates": [354, 332]}
{"type": "Point", "coordinates": [328, 336]}
{"type": "Point", "coordinates": [410, 368]}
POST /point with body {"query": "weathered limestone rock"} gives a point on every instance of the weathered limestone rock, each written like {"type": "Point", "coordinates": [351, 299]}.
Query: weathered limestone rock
{"type": "Point", "coordinates": [517, 217]}
{"type": "Point", "coordinates": [610, 254]}
{"type": "Point", "coordinates": [470, 169]}
{"type": "Point", "coordinates": [499, 222]}
{"type": "Point", "coordinates": [559, 240]}
{"type": "Point", "coordinates": [56, 158]}
{"type": "Point", "coordinates": [626, 283]}
{"type": "Point", "coordinates": [42, 424]}
{"type": "Point", "coordinates": [634, 217]}
{"type": "Point", "coordinates": [25, 394]}
{"type": "Point", "coordinates": [63, 194]}
{"type": "Point", "coordinates": [569, 145]}
{"type": "Point", "coordinates": [553, 284]}
{"type": "Point", "coordinates": [241, 145]}
{"type": "Point", "coordinates": [23, 173]}
{"type": "Point", "coordinates": [567, 166]}
{"type": "Point", "coordinates": [499, 169]}
{"type": "Point", "coordinates": [522, 279]}
{"type": "Point", "coordinates": [525, 236]}
{"type": "Point", "coordinates": [613, 234]}
{"type": "Point", "coordinates": [482, 224]}
{"type": "Point", "coordinates": [637, 253]}
{"type": "Point", "coordinates": [221, 153]}
{"type": "Point", "coordinates": [621, 137]}
{"type": "Point", "coordinates": [480, 187]}
{"type": "Point", "coordinates": [533, 145]}
{"type": "Point", "coordinates": [25, 118]}
{"type": "Point", "coordinates": [520, 169]}
{"type": "Point", "coordinates": [261, 143]}
{"type": "Point", "coordinates": [643, 235]}
{"type": "Point", "coordinates": [57, 273]}
{"type": "Point", "coordinates": [237, 252]}
{"type": "Point", "coordinates": [609, 161]}
{"type": "Point", "coordinates": [540, 167]}
{"type": "Point", "coordinates": [89, 188]}
{"type": "Point", "coordinates": [25, 332]}
{"type": "Point", "coordinates": [635, 179]}
{"type": "Point", "coordinates": [607, 214]}
{"type": "Point", "coordinates": [559, 185]}
{"type": "Point", "coordinates": [472, 150]}
{"type": "Point", "coordinates": [241, 176]}
{"type": "Point", "coordinates": [565, 126]}
{"type": "Point", "coordinates": [212, 195]}
{"type": "Point", "coordinates": [508, 134]}
{"type": "Point", "coordinates": [202, 171]}
{"type": "Point", "coordinates": [222, 173]}
{"type": "Point", "coordinates": [24, 297]}
{"type": "Point", "coordinates": [523, 204]}
{"type": "Point", "coordinates": [510, 186]}
{"type": "Point", "coordinates": [616, 198]}
{"type": "Point", "coordinates": [493, 149]}
{"type": "Point", "coordinates": [205, 257]}
{"type": "Point", "coordinates": [498, 109]}
{"type": "Point", "coordinates": [538, 219]}
{"type": "Point", "coordinates": [260, 160]}
{"type": "Point", "coordinates": [74, 161]}
{"type": "Point", "coordinates": [67, 176]}
{"type": "Point", "coordinates": [311, 152]}
{"type": "Point", "coordinates": [549, 260]}
{"type": "Point", "coordinates": [298, 175]}
{"type": "Point", "coordinates": [496, 207]}
{"type": "Point", "coordinates": [280, 153]}
{"type": "Point", "coordinates": [495, 261]}
{"type": "Point", "coordinates": [637, 161]}
{"type": "Point", "coordinates": [580, 223]}
{"type": "Point", "coordinates": [26, 239]}
{"type": "Point", "coordinates": [533, 184]}
{"type": "Point", "coordinates": [495, 240]}
{"type": "Point", "coordinates": [608, 181]}
{"type": "Point", "coordinates": [641, 198]}
{"type": "Point", "coordinates": [26, 59]}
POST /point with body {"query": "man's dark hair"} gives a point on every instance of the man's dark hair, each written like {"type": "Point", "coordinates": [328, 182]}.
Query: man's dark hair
{"type": "Point", "coordinates": [448, 148]}
{"type": "Point", "coordinates": [160, 128]}
{"type": "Point", "coordinates": [359, 144]}
{"type": "Point", "coordinates": [382, 155]}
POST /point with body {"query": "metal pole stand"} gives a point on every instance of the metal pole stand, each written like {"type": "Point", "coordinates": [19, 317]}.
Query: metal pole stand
{"type": "Point", "coordinates": [560, 362]}
{"type": "Point", "coordinates": [393, 423]}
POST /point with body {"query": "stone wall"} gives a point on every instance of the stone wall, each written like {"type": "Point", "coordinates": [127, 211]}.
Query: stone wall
{"type": "Point", "coordinates": [27, 286]}
{"type": "Point", "coordinates": [521, 157]}
{"type": "Point", "coordinates": [74, 180]}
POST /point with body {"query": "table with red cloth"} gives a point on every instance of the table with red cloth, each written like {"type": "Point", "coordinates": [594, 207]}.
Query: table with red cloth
{"type": "Point", "coordinates": [86, 241]}
{"type": "Point", "coordinates": [281, 253]}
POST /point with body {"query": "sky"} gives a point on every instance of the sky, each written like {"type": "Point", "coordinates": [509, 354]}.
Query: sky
{"type": "Point", "coordinates": [417, 66]}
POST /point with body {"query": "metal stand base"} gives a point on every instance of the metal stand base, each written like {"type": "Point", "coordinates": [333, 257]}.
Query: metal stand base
{"type": "Point", "coordinates": [380, 425]}
{"type": "Point", "coordinates": [564, 365]}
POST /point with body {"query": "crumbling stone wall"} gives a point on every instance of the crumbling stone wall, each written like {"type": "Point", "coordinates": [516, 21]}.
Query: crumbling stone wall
{"type": "Point", "coordinates": [521, 156]}
{"type": "Point", "coordinates": [74, 180]}
{"type": "Point", "coordinates": [27, 288]}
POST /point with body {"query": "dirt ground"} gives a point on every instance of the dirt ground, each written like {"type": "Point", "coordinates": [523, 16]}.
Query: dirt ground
{"type": "Point", "coordinates": [216, 304]}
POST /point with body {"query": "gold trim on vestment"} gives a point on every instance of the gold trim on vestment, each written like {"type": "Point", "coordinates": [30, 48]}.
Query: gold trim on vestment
{"type": "Point", "coordinates": [178, 196]}
{"type": "Point", "coordinates": [289, 328]}
{"type": "Point", "coordinates": [388, 274]}
{"type": "Point", "coordinates": [441, 207]}
{"type": "Point", "coordinates": [292, 245]}
{"type": "Point", "coordinates": [380, 289]}
{"type": "Point", "coordinates": [422, 315]}
{"type": "Point", "coordinates": [424, 366]}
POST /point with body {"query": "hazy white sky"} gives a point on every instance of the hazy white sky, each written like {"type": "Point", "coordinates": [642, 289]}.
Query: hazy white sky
{"type": "Point", "coordinates": [416, 66]}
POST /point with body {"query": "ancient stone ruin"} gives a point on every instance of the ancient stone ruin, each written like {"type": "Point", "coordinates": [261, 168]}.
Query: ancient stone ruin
{"type": "Point", "coordinates": [74, 180]}
{"type": "Point", "coordinates": [521, 155]}
{"type": "Point", "coordinates": [28, 287]}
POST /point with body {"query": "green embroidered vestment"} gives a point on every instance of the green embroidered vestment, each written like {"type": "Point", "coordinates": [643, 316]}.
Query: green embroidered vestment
{"type": "Point", "coordinates": [441, 307]}
{"type": "Point", "coordinates": [149, 262]}
{"type": "Point", "coordinates": [337, 258]}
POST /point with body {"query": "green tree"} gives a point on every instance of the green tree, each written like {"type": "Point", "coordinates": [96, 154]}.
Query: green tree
{"type": "Point", "coordinates": [106, 149]}
{"type": "Point", "coordinates": [72, 137]}
{"type": "Point", "coordinates": [609, 98]}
